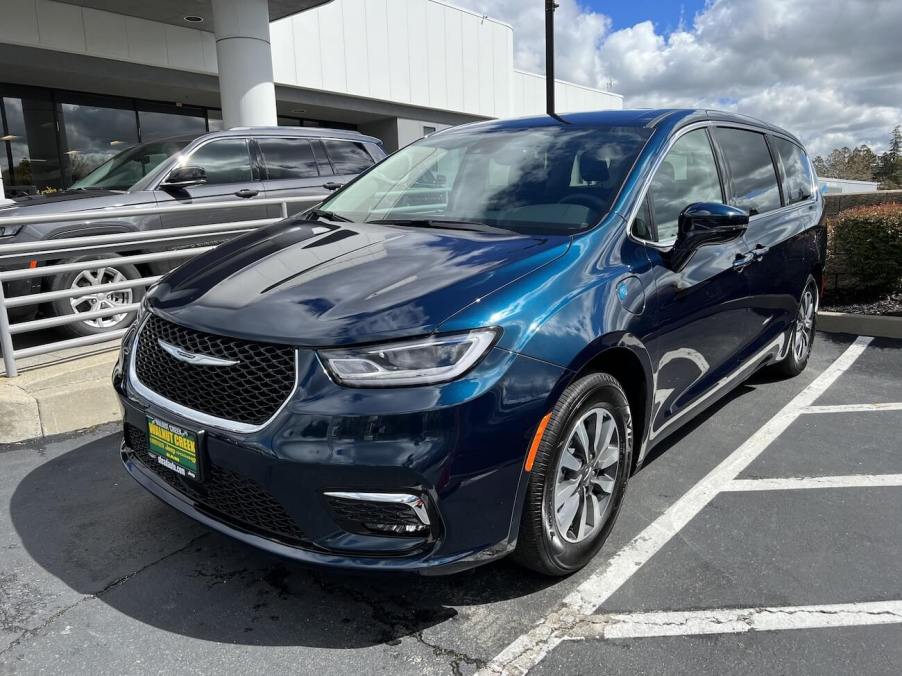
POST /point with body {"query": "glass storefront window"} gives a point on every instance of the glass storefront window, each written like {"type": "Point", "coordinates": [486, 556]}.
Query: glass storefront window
{"type": "Point", "coordinates": [214, 120]}
{"type": "Point", "coordinates": [50, 139]}
{"type": "Point", "coordinates": [91, 134]}
{"type": "Point", "coordinates": [29, 153]}
{"type": "Point", "coordinates": [160, 124]}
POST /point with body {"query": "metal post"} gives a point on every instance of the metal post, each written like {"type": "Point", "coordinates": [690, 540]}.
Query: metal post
{"type": "Point", "coordinates": [6, 339]}
{"type": "Point", "coordinates": [284, 209]}
{"type": "Point", "coordinates": [550, 6]}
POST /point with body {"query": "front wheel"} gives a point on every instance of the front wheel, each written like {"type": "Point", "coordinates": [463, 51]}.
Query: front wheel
{"type": "Point", "coordinates": [578, 477]}
{"type": "Point", "coordinates": [802, 336]}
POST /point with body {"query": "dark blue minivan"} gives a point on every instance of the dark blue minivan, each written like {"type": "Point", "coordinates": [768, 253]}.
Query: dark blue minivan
{"type": "Point", "coordinates": [465, 352]}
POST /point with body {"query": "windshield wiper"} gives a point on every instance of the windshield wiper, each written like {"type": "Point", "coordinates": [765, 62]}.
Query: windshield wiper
{"type": "Point", "coordinates": [316, 214]}
{"type": "Point", "coordinates": [443, 224]}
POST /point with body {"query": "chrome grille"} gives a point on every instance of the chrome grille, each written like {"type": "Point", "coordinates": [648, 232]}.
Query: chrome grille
{"type": "Point", "coordinates": [249, 392]}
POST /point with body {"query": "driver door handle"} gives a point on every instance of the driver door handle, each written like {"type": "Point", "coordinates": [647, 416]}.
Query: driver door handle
{"type": "Point", "coordinates": [247, 192]}
{"type": "Point", "coordinates": [743, 259]}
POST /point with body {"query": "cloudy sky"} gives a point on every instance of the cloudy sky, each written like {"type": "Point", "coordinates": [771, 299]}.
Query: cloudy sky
{"type": "Point", "coordinates": [828, 70]}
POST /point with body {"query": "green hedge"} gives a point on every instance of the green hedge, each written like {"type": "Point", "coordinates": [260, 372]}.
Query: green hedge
{"type": "Point", "coordinates": [868, 240]}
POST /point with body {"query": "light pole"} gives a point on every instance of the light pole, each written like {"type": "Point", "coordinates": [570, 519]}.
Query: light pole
{"type": "Point", "coordinates": [550, 6]}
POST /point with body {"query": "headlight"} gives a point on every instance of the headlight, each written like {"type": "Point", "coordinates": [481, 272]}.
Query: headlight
{"type": "Point", "coordinates": [9, 230]}
{"type": "Point", "coordinates": [435, 359]}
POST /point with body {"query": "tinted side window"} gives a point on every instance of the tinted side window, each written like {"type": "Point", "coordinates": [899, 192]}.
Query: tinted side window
{"type": "Point", "coordinates": [288, 158]}
{"type": "Point", "coordinates": [225, 161]}
{"type": "Point", "coordinates": [688, 174]}
{"type": "Point", "coordinates": [754, 182]}
{"type": "Point", "coordinates": [797, 178]}
{"type": "Point", "coordinates": [348, 157]}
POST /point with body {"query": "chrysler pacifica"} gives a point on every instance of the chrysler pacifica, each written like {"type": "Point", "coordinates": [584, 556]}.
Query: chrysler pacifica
{"type": "Point", "coordinates": [465, 352]}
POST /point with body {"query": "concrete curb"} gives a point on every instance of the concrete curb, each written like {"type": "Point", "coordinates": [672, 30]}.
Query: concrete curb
{"type": "Point", "coordinates": [860, 325]}
{"type": "Point", "coordinates": [56, 399]}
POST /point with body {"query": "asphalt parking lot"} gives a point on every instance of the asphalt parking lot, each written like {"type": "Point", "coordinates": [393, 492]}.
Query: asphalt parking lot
{"type": "Point", "coordinates": [765, 538]}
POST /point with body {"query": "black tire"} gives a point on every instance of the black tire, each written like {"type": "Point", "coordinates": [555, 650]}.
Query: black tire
{"type": "Point", "coordinates": [64, 307]}
{"type": "Point", "coordinates": [541, 545]}
{"type": "Point", "coordinates": [796, 360]}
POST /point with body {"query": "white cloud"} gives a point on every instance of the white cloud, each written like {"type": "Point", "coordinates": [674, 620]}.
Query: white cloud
{"type": "Point", "coordinates": [828, 70]}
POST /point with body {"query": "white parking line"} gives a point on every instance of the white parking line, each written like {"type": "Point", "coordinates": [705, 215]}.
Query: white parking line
{"type": "Point", "coordinates": [855, 408]}
{"type": "Point", "coordinates": [737, 620]}
{"type": "Point", "coordinates": [789, 484]}
{"type": "Point", "coordinates": [530, 648]}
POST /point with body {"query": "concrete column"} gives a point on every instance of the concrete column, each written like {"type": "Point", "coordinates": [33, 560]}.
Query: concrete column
{"type": "Point", "coordinates": [245, 63]}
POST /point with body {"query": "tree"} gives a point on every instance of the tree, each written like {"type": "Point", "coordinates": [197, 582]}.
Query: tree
{"type": "Point", "coordinates": [858, 164]}
{"type": "Point", "coordinates": [889, 170]}
{"type": "Point", "coordinates": [862, 164]}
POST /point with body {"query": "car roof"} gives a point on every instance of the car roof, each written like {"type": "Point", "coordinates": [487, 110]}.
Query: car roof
{"type": "Point", "coordinates": [651, 118]}
{"type": "Point", "coordinates": [281, 132]}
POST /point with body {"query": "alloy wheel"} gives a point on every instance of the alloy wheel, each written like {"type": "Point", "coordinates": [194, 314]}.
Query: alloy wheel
{"type": "Point", "coordinates": [804, 325]}
{"type": "Point", "coordinates": [96, 298]}
{"type": "Point", "coordinates": [586, 475]}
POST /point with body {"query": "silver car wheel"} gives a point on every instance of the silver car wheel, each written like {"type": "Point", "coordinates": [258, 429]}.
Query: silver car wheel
{"type": "Point", "coordinates": [586, 474]}
{"type": "Point", "coordinates": [804, 325]}
{"type": "Point", "coordinates": [98, 299]}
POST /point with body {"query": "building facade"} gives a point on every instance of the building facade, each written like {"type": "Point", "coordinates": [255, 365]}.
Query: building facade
{"type": "Point", "coordinates": [838, 186]}
{"type": "Point", "coordinates": [79, 82]}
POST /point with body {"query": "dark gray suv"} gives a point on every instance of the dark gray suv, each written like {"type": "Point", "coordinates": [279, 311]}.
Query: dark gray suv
{"type": "Point", "coordinates": [244, 163]}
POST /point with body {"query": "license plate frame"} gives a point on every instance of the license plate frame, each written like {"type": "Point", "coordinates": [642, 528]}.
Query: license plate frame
{"type": "Point", "coordinates": [176, 448]}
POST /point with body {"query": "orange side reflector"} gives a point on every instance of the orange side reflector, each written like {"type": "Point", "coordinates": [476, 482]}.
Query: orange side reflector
{"type": "Point", "coordinates": [32, 264]}
{"type": "Point", "coordinates": [536, 440]}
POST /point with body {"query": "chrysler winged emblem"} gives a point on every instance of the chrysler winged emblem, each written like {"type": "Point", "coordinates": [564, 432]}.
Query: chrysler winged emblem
{"type": "Point", "coordinates": [195, 359]}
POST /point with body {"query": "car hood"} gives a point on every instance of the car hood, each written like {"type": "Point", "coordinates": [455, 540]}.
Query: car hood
{"type": "Point", "coordinates": [318, 284]}
{"type": "Point", "coordinates": [74, 200]}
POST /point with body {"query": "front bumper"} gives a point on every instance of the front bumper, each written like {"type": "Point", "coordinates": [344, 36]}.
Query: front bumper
{"type": "Point", "coordinates": [22, 287]}
{"type": "Point", "coordinates": [460, 446]}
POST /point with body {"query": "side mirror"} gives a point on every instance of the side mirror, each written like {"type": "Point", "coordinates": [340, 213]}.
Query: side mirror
{"type": "Point", "coordinates": [706, 223]}
{"type": "Point", "coordinates": [183, 177]}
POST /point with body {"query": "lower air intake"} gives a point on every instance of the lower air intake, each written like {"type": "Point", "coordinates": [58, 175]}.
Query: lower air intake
{"type": "Point", "coordinates": [380, 513]}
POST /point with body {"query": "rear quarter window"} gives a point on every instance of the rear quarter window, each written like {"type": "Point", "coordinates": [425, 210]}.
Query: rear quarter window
{"type": "Point", "coordinates": [753, 180]}
{"type": "Point", "coordinates": [798, 182]}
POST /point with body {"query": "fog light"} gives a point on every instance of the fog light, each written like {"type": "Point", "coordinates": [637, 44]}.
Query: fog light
{"type": "Point", "coordinates": [402, 514]}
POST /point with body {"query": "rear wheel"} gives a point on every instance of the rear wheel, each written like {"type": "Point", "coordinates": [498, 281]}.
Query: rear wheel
{"type": "Point", "coordinates": [578, 477]}
{"type": "Point", "coordinates": [802, 337]}
{"type": "Point", "coordinates": [95, 297]}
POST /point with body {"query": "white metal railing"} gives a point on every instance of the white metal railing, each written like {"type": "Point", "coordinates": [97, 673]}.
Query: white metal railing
{"type": "Point", "coordinates": [18, 262]}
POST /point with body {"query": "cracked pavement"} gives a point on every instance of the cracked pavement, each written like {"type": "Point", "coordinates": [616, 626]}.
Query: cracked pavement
{"type": "Point", "coordinates": [98, 577]}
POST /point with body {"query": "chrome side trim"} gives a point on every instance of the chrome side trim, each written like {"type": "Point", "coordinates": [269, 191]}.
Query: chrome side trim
{"type": "Point", "coordinates": [775, 346]}
{"type": "Point", "coordinates": [414, 502]}
{"type": "Point", "coordinates": [202, 419]}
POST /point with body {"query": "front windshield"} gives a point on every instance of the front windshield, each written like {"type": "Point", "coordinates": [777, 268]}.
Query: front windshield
{"type": "Point", "coordinates": [122, 171]}
{"type": "Point", "coordinates": [548, 179]}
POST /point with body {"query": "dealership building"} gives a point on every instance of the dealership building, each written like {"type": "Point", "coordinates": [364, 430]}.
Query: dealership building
{"type": "Point", "coordinates": [81, 80]}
